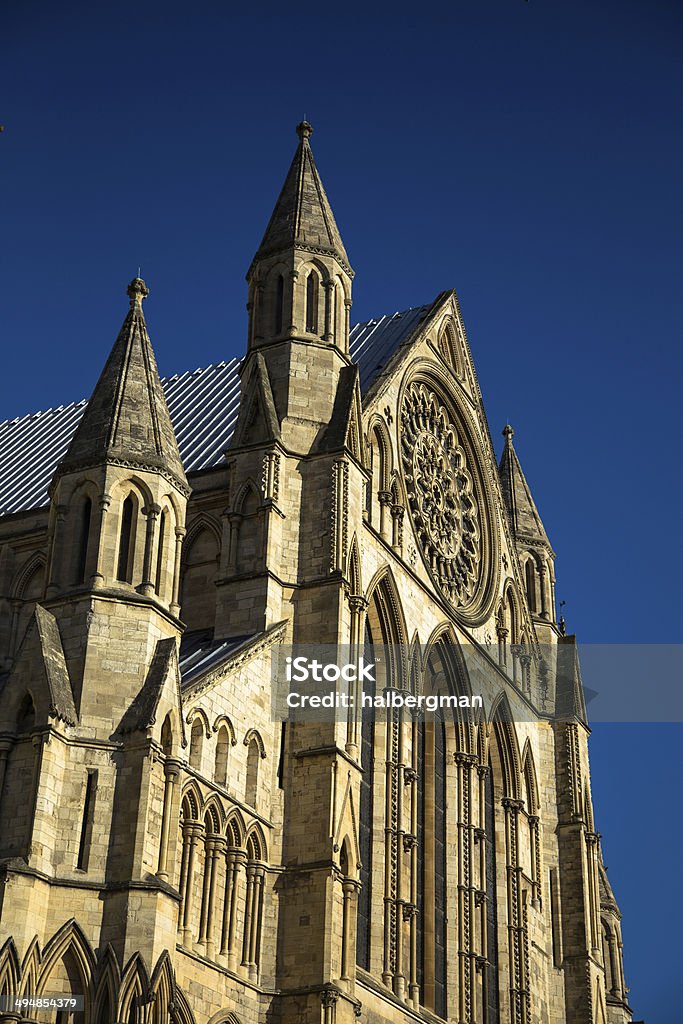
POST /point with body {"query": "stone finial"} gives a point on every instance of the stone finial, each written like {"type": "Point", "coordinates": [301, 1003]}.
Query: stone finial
{"type": "Point", "coordinates": [137, 291]}
{"type": "Point", "coordinates": [304, 130]}
{"type": "Point", "coordinates": [508, 433]}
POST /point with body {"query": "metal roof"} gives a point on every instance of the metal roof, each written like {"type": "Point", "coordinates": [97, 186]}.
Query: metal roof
{"type": "Point", "coordinates": [199, 652]}
{"type": "Point", "coordinates": [203, 404]}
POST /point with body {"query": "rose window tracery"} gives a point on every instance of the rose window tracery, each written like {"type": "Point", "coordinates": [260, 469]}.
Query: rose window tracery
{"type": "Point", "coordinates": [440, 493]}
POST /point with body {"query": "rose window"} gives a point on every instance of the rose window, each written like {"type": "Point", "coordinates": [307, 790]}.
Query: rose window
{"type": "Point", "coordinates": [440, 494]}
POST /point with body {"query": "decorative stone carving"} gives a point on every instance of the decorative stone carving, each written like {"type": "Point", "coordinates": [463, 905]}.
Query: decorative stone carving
{"type": "Point", "coordinates": [441, 494]}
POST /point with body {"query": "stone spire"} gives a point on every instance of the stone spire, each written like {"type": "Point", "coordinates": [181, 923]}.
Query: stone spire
{"type": "Point", "coordinates": [303, 217]}
{"type": "Point", "coordinates": [527, 525]}
{"type": "Point", "coordinates": [126, 421]}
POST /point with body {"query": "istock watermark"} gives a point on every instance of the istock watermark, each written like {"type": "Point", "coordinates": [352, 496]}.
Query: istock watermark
{"type": "Point", "coordinates": [522, 682]}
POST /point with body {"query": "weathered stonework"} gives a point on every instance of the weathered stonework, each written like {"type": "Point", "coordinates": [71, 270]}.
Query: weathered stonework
{"type": "Point", "coordinates": [168, 851]}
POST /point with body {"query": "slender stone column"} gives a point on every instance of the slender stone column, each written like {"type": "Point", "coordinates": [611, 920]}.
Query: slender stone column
{"type": "Point", "coordinates": [99, 577]}
{"type": "Point", "coordinates": [147, 586]}
{"type": "Point", "coordinates": [234, 520]}
{"type": "Point", "coordinates": [593, 894]}
{"type": "Point", "coordinates": [171, 772]}
{"type": "Point", "coordinates": [350, 890]}
{"type": "Point", "coordinates": [209, 885]}
{"type": "Point", "coordinates": [54, 578]}
{"type": "Point", "coordinates": [234, 860]}
{"type": "Point", "coordinates": [255, 924]}
{"type": "Point", "coordinates": [397, 527]}
{"type": "Point", "coordinates": [329, 300]}
{"type": "Point", "coordinates": [248, 916]}
{"type": "Point", "coordinates": [502, 637]}
{"type": "Point", "coordinates": [179, 535]}
{"type": "Point", "coordinates": [216, 848]}
{"type": "Point", "coordinates": [358, 606]}
{"type": "Point", "coordinates": [194, 832]}
{"type": "Point", "coordinates": [384, 499]}
{"type": "Point", "coordinates": [543, 586]}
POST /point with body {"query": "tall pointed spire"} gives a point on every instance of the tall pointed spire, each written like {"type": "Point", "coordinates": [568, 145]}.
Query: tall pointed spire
{"type": "Point", "coordinates": [303, 217]}
{"type": "Point", "coordinates": [527, 525]}
{"type": "Point", "coordinates": [127, 420]}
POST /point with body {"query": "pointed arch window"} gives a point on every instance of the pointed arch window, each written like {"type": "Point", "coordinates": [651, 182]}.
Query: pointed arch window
{"type": "Point", "coordinates": [124, 571]}
{"type": "Point", "coordinates": [159, 577]}
{"type": "Point", "coordinates": [530, 579]}
{"type": "Point", "coordinates": [83, 538]}
{"type": "Point", "coordinates": [196, 741]}
{"type": "Point", "coordinates": [221, 764]}
{"type": "Point", "coordinates": [279, 303]}
{"type": "Point", "coordinates": [312, 303]}
{"type": "Point", "coordinates": [336, 334]}
{"type": "Point", "coordinates": [253, 757]}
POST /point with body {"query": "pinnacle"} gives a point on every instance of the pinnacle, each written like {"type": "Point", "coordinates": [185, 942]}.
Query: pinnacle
{"type": "Point", "coordinates": [526, 521]}
{"type": "Point", "coordinates": [303, 217]}
{"type": "Point", "coordinates": [127, 419]}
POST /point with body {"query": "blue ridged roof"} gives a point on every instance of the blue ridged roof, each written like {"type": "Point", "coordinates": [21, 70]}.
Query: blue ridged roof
{"type": "Point", "coordinates": [203, 405]}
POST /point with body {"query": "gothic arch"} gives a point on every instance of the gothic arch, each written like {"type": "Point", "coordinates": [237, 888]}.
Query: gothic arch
{"type": "Point", "coordinates": [195, 713]}
{"type": "Point", "coordinates": [182, 1014]}
{"type": "Point", "coordinates": [122, 488]}
{"type": "Point", "coordinates": [255, 752]}
{"type": "Point", "coordinates": [448, 346]}
{"type": "Point", "coordinates": [108, 984]}
{"type": "Point", "coordinates": [70, 947]}
{"type": "Point", "coordinates": [354, 569]}
{"type": "Point", "coordinates": [134, 986]}
{"type": "Point", "coordinates": [31, 567]}
{"type": "Point", "coordinates": [199, 566]}
{"type": "Point", "coordinates": [443, 645]}
{"type": "Point", "coordinates": [191, 801]}
{"type": "Point", "coordinates": [30, 968]}
{"type": "Point", "coordinates": [224, 1017]}
{"type": "Point", "coordinates": [384, 592]}
{"type": "Point", "coordinates": [507, 747]}
{"type": "Point", "coordinates": [213, 811]}
{"type": "Point", "coordinates": [255, 735]}
{"type": "Point", "coordinates": [168, 734]}
{"type": "Point", "coordinates": [235, 829]}
{"type": "Point", "coordinates": [162, 989]}
{"type": "Point", "coordinates": [255, 844]}
{"type": "Point", "coordinates": [348, 857]}
{"type": "Point", "coordinates": [530, 779]}
{"type": "Point", "coordinates": [513, 611]}
{"type": "Point", "coordinates": [224, 721]}
{"type": "Point", "coordinates": [10, 969]}
{"type": "Point", "coordinates": [386, 622]}
{"type": "Point", "coordinates": [200, 523]}
{"type": "Point", "coordinates": [248, 500]}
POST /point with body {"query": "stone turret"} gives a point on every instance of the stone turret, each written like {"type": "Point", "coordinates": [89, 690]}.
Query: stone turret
{"type": "Point", "coordinates": [117, 517]}
{"type": "Point", "coordinates": [299, 413]}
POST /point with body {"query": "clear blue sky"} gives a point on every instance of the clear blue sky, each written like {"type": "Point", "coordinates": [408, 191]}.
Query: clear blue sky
{"type": "Point", "coordinates": [527, 154]}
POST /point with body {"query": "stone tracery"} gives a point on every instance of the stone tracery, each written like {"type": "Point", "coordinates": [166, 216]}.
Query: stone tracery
{"type": "Point", "coordinates": [440, 493]}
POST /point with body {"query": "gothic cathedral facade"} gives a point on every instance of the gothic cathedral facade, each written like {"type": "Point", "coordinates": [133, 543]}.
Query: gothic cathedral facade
{"type": "Point", "coordinates": [169, 852]}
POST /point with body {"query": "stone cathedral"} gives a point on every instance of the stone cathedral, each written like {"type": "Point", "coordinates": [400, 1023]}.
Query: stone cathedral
{"type": "Point", "coordinates": [169, 851]}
